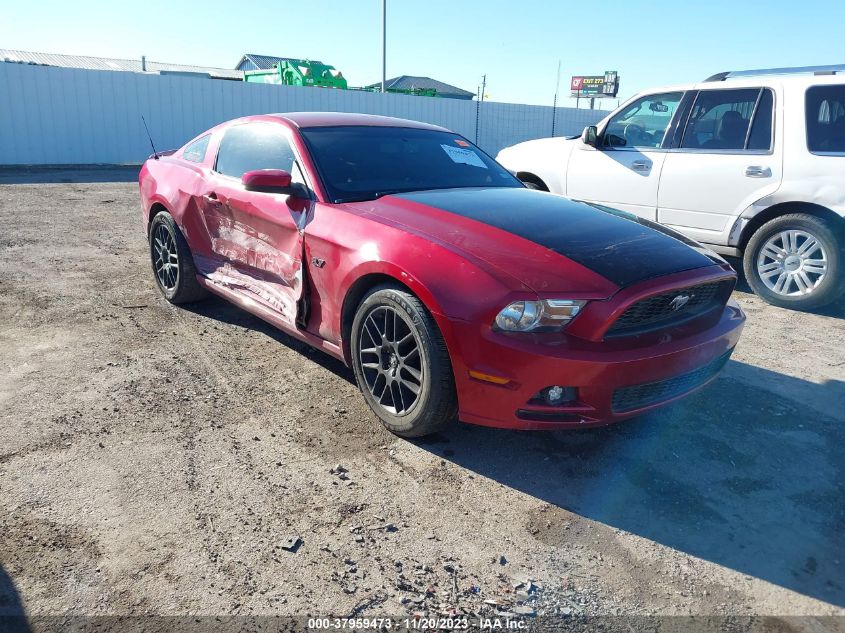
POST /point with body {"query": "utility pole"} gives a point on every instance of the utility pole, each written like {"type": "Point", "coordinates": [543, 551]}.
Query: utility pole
{"type": "Point", "coordinates": [478, 105]}
{"type": "Point", "coordinates": [383, 43]}
{"type": "Point", "coordinates": [477, 111]}
{"type": "Point", "coordinates": [554, 103]}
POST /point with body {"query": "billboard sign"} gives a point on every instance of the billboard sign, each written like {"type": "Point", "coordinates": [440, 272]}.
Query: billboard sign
{"type": "Point", "coordinates": [606, 85]}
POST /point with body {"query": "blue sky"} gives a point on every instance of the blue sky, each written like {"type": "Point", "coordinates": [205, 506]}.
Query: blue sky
{"type": "Point", "coordinates": [517, 44]}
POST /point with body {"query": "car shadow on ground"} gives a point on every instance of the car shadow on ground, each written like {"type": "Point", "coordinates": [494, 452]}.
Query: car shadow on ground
{"type": "Point", "coordinates": [735, 474]}
{"type": "Point", "coordinates": [221, 310]}
{"type": "Point", "coordinates": [68, 174]}
{"type": "Point", "coordinates": [12, 613]}
{"type": "Point", "coordinates": [748, 473]}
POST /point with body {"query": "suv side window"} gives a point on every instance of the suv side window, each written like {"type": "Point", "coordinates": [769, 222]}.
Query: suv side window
{"type": "Point", "coordinates": [253, 146]}
{"type": "Point", "coordinates": [825, 112]}
{"type": "Point", "coordinates": [720, 119]}
{"type": "Point", "coordinates": [643, 123]}
{"type": "Point", "coordinates": [195, 152]}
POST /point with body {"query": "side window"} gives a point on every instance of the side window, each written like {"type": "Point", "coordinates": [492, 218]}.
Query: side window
{"type": "Point", "coordinates": [643, 123]}
{"type": "Point", "coordinates": [720, 119]}
{"type": "Point", "coordinates": [253, 146]}
{"type": "Point", "coordinates": [825, 107]}
{"type": "Point", "coordinates": [195, 152]}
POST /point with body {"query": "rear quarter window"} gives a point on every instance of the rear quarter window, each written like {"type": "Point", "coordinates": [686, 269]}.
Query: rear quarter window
{"type": "Point", "coordinates": [195, 152]}
{"type": "Point", "coordinates": [825, 113]}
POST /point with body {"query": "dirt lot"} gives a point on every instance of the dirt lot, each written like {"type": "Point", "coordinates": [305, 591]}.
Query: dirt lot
{"type": "Point", "coordinates": [155, 460]}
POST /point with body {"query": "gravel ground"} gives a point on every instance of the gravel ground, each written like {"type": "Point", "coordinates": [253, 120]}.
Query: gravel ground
{"type": "Point", "coordinates": [156, 459]}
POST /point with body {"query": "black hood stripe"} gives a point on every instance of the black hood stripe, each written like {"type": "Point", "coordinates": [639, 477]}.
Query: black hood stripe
{"type": "Point", "coordinates": [618, 246]}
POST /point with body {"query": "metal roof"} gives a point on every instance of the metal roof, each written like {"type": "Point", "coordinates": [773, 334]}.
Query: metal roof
{"type": "Point", "coordinates": [266, 62]}
{"type": "Point", "coordinates": [107, 63]}
{"type": "Point", "coordinates": [409, 82]}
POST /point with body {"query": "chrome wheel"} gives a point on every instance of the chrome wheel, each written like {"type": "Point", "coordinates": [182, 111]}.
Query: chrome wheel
{"type": "Point", "coordinates": [390, 360]}
{"type": "Point", "coordinates": [792, 263]}
{"type": "Point", "coordinates": [165, 257]}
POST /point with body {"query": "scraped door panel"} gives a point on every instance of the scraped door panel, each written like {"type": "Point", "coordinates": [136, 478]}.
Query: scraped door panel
{"type": "Point", "coordinates": [258, 245]}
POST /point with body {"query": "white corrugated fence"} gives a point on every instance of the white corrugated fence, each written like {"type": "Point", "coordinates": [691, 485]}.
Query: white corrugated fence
{"type": "Point", "coordinates": [59, 116]}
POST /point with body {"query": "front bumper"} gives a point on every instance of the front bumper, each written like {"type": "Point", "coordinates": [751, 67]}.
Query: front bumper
{"type": "Point", "coordinates": [615, 380]}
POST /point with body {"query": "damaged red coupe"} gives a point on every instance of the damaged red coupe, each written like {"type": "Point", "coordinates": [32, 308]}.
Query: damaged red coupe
{"type": "Point", "coordinates": [451, 290]}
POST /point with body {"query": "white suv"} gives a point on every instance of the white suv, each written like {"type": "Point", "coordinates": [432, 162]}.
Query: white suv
{"type": "Point", "coordinates": [749, 163]}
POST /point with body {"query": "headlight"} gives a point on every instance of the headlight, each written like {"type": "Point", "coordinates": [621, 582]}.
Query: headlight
{"type": "Point", "coordinates": [532, 316]}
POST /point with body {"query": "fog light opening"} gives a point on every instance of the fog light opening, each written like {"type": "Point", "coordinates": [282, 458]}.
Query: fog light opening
{"type": "Point", "coordinates": [555, 396]}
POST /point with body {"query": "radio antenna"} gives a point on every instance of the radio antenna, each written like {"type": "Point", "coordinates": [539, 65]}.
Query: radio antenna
{"type": "Point", "coordinates": [150, 136]}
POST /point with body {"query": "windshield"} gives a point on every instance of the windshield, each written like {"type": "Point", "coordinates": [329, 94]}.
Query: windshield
{"type": "Point", "coordinates": [363, 163]}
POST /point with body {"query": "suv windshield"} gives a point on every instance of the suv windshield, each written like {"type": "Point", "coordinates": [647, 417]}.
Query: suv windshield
{"type": "Point", "coordinates": [365, 162]}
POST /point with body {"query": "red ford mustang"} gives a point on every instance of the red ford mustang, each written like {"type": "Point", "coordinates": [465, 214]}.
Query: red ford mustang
{"type": "Point", "coordinates": [452, 291]}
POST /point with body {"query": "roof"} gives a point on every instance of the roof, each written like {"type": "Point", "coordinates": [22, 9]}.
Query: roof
{"type": "Point", "coordinates": [788, 82]}
{"type": "Point", "coordinates": [828, 69]}
{"type": "Point", "coordinates": [266, 62]}
{"type": "Point", "coordinates": [109, 63]}
{"type": "Point", "coordinates": [747, 79]}
{"type": "Point", "coordinates": [330, 119]}
{"type": "Point", "coordinates": [409, 82]}
{"type": "Point", "coordinates": [796, 79]}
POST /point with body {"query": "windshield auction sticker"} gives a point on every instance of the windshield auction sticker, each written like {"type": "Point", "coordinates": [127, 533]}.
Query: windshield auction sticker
{"type": "Point", "coordinates": [463, 156]}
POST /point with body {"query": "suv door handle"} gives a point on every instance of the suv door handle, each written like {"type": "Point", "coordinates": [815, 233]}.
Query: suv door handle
{"type": "Point", "coordinates": [210, 197]}
{"type": "Point", "coordinates": [641, 165]}
{"type": "Point", "coordinates": [758, 171]}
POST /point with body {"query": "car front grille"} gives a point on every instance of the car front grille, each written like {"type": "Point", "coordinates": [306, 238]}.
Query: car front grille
{"type": "Point", "coordinates": [671, 308]}
{"type": "Point", "coordinates": [639, 396]}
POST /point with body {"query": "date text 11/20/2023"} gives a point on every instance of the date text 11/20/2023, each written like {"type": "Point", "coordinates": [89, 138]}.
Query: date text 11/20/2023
{"type": "Point", "coordinates": [457, 623]}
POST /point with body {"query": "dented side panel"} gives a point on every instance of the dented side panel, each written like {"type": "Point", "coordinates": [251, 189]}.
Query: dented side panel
{"type": "Point", "coordinates": [255, 242]}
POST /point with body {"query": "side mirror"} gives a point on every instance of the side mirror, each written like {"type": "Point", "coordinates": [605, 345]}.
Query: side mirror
{"type": "Point", "coordinates": [269, 181]}
{"type": "Point", "coordinates": [590, 136]}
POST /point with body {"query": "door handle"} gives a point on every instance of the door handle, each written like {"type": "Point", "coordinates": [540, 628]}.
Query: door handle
{"type": "Point", "coordinates": [641, 165]}
{"type": "Point", "coordinates": [210, 197]}
{"type": "Point", "coordinates": [758, 171]}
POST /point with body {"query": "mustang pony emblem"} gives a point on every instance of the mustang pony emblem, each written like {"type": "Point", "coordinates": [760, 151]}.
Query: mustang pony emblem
{"type": "Point", "coordinates": [679, 302]}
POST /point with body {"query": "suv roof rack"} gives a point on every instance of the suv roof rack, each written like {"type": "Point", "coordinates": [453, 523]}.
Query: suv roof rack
{"type": "Point", "coordinates": [816, 70]}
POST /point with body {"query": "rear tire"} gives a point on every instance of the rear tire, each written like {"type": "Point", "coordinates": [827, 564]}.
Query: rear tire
{"type": "Point", "coordinates": [172, 262]}
{"type": "Point", "coordinates": [531, 181]}
{"type": "Point", "coordinates": [796, 261]}
{"type": "Point", "coordinates": [401, 363]}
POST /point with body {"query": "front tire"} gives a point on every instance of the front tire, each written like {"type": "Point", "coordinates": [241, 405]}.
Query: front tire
{"type": "Point", "coordinates": [401, 363]}
{"type": "Point", "coordinates": [795, 261]}
{"type": "Point", "coordinates": [172, 262]}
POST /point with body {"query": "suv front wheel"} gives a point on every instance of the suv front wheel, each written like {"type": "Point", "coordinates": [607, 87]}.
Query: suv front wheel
{"type": "Point", "coordinates": [795, 261]}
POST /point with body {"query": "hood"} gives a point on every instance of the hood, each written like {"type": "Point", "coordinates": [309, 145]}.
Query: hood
{"type": "Point", "coordinates": [530, 234]}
